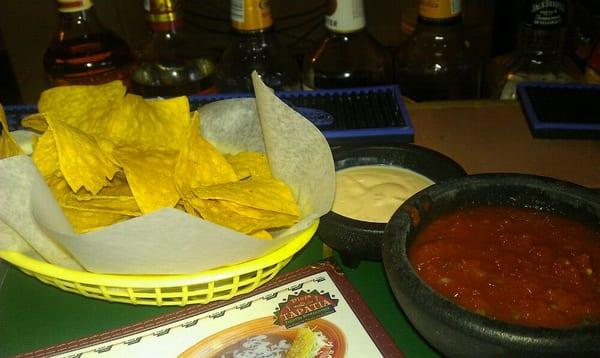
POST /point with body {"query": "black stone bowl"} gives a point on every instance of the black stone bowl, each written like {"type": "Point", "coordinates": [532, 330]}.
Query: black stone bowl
{"type": "Point", "coordinates": [451, 329]}
{"type": "Point", "coordinates": [357, 240]}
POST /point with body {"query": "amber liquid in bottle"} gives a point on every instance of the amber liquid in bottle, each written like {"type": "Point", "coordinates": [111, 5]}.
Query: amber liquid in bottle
{"type": "Point", "coordinates": [200, 83]}
{"type": "Point", "coordinates": [82, 52]}
{"type": "Point", "coordinates": [348, 56]}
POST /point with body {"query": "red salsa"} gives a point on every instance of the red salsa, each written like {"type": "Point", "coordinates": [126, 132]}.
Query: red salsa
{"type": "Point", "coordinates": [523, 266]}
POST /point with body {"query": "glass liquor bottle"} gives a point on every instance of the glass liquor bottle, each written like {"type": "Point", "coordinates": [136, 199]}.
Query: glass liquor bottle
{"type": "Point", "coordinates": [82, 51]}
{"type": "Point", "coordinates": [255, 47]}
{"type": "Point", "coordinates": [170, 63]}
{"type": "Point", "coordinates": [436, 62]}
{"type": "Point", "coordinates": [591, 72]}
{"type": "Point", "coordinates": [540, 51]}
{"type": "Point", "coordinates": [348, 56]}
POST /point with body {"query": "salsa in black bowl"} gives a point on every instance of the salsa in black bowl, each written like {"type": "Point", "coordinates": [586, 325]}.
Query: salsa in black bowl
{"type": "Point", "coordinates": [499, 265]}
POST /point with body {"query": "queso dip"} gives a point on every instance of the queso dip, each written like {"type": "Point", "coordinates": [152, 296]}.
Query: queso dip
{"type": "Point", "coordinates": [374, 192]}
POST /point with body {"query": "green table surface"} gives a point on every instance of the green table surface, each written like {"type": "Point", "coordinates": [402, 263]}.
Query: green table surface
{"type": "Point", "coordinates": [35, 315]}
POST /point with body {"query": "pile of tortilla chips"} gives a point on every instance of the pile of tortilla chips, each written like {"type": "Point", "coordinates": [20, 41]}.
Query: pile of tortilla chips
{"type": "Point", "coordinates": [108, 156]}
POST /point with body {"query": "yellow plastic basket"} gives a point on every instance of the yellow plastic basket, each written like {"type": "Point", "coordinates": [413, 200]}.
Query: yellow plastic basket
{"type": "Point", "coordinates": [216, 284]}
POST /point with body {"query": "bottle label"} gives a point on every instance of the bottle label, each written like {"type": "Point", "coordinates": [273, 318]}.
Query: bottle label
{"type": "Point", "coordinates": [345, 16]}
{"type": "Point", "coordinates": [439, 9]}
{"type": "Point", "coordinates": [162, 15]}
{"type": "Point", "coordinates": [251, 15]}
{"type": "Point", "coordinates": [73, 5]}
{"type": "Point", "coordinates": [545, 14]}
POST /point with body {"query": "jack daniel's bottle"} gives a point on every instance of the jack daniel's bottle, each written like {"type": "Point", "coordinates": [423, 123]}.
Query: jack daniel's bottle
{"type": "Point", "coordinates": [539, 55]}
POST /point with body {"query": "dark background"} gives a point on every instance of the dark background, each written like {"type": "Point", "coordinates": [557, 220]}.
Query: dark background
{"type": "Point", "coordinates": [27, 26]}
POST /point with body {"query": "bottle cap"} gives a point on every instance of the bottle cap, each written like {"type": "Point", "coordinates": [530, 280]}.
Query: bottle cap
{"type": "Point", "coordinates": [439, 9]}
{"type": "Point", "coordinates": [251, 15]}
{"type": "Point", "coordinates": [73, 5]}
{"type": "Point", "coordinates": [345, 16]}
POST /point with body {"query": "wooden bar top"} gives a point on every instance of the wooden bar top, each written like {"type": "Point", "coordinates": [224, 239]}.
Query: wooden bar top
{"type": "Point", "coordinates": [492, 136]}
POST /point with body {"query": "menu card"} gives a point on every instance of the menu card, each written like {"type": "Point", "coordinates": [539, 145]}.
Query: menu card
{"type": "Point", "coordinates": [313, 310]}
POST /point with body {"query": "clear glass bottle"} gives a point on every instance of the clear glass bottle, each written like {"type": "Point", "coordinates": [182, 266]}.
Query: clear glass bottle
{"type": "Point", "coordinates": [540, 51]}
{"type": "Point", "coordinates": [591, 73]}
{"type": "Point", "coordinates": [584, 31]}
{"type": "Point", "coordinates": [82, 51]}
{"type": "Point", "coordinates": [348, 56]}
{"type": "Point", "coordinates": [255, 47]}
{"type": "Point", "coordinates": [170, 63]}
{"type": "Point", "coordinates": [436, 62]}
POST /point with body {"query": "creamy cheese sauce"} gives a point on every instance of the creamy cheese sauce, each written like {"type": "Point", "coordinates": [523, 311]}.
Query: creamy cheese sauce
{"type": "Point", "coordinates": [373, 192]}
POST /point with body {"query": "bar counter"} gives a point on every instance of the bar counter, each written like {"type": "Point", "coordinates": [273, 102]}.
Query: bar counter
{"type": "Point", "coordinates": [493, 136]}
{"type": "Point", "coordinates": [482, 136]}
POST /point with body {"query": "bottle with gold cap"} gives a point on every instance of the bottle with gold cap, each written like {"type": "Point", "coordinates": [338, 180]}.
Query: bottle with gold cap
{"type": "Point", "coordinates": [170, 63]}
{"type": "Point", "coordinates": [255, 47]}
{"type": "Point", "coordinates": [436, 62]}
{"type": "Point", "coordinates": [82, 51]}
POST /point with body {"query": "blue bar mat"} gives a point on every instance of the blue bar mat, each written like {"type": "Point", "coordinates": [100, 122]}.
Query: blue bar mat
{"type": "Point", "coordinates": [560, 110]}
{"type": "Point", "coordinates": [345, 116]}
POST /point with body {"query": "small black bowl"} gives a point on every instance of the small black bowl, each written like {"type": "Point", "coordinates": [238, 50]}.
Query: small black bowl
{"type": "Point", "coordinates": [357, 240]}
{"type": "Point", "coordinates": [455, 331]}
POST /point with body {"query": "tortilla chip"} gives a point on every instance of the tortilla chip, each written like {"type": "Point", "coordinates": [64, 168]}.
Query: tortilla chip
{"type": "Point", "coordinates": [147, 123]}
{"type": "Point", "coordinates": [149, 173]}
{"type": "Point", "coordinates": [265, 194]}
{"type": "Point", "coordinates": [247, 206]}
{"type": "Point", "coordinates": [261, 234]}
{"type": "Point", "coordinates": [85, 221]}
{"type": "Point", "coordinates": [36, 121]}
{"type": "Point", "coordinates": [239, 217]}
{"type": "Point", "coordinates": [88, 212]}
{"type": "Point", "coordinates": [8, 145]}
{"type": "Point", "coordinates": [59, 186]}
{"type": "Point", "coordinates": [118, 186]}
{"type": "Point", "coordinates": [250, 164]}
{"type": "Point", "coordinates": [45, 155]}
{"type": "Point", "coordinates": [83, 107]}
{"type": "Point", "coordinates": [200, 163]}
{"type": "Point", "coordinates": [186, 206]}
{"type": "Point", "coordinates": [124, 205]}
{"type": "Point", "coordinates": [116, 198]}
{"type": "Point", "coordinates": [80, 158]}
